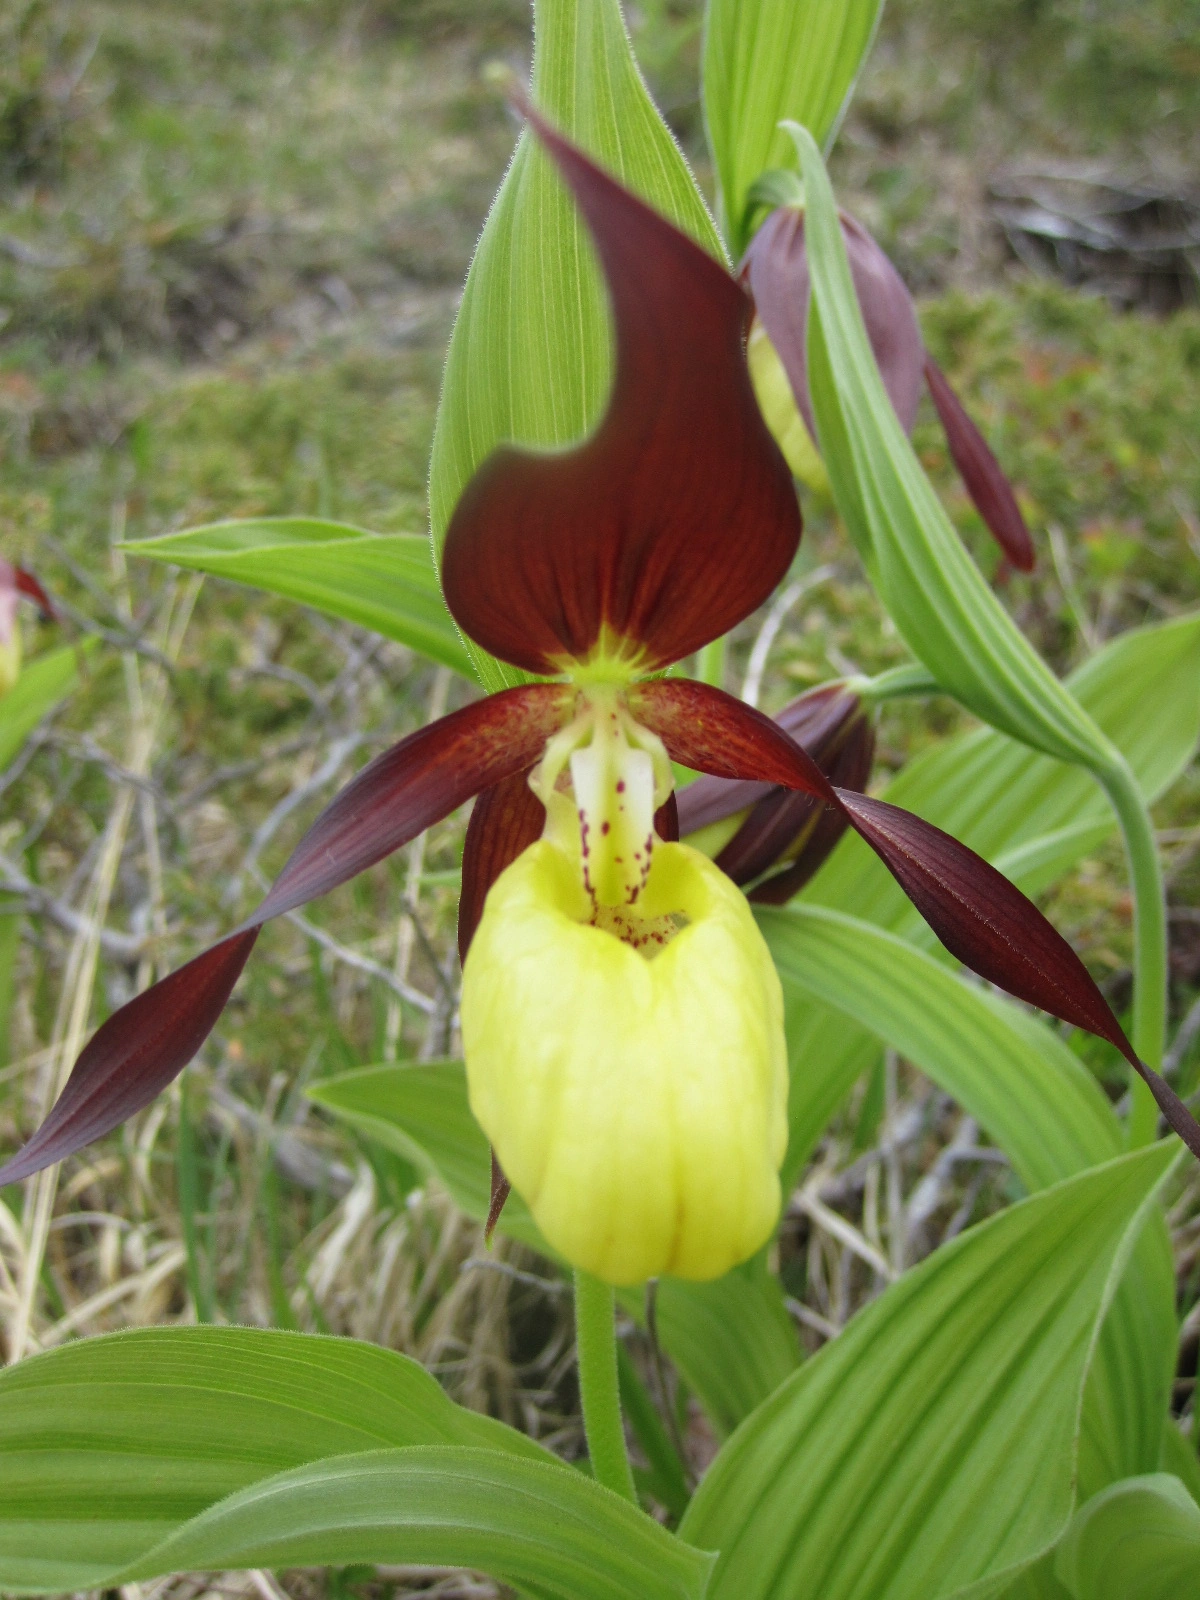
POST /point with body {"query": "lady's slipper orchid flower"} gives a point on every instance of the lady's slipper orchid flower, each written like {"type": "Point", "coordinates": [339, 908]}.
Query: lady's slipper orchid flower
{"type": "Point", "coordinates": [780, 837]}
{"type": "Point", "coordinates": [15, 582]}
{"type": "Point", "coordinates": [776, 269]}
{"type": "Point", "coordinates": [621, 1019]}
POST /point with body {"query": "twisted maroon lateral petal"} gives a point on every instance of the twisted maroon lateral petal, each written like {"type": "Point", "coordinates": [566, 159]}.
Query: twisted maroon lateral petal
{"type": "Point", "coordinates": [992, 928]}
{"type": "Point", "coordinates": [982, 474]}
{"type": "Point", "coordinates": [849, 768]}
{"type": "Point", "coordinates": [135, 1054]}
{"type": "Point", "coordinates": [981, 918]}
{"type": "Point", "coordinates": [399, 794]}
{"type": "Point", "coordinates": [678, 517]}
{"type": "Point", "coordinates": [506, 819]}
{"type": "Point", "coordinates": [810, 719]}
{"type": "Point", "coordinates": [776, 267]}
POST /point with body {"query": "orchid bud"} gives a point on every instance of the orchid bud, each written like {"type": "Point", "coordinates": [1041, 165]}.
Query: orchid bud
{"type": "Point", "coordinates": [776, 835]}
{"type": "Point", "coordinates": [777, 273]}
{"type": "Point", "coordinates": [15, 582]}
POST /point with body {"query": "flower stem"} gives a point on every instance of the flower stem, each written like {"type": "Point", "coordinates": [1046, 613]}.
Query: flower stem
{"type": "Point", "coordinates": [1148, 1033]}
{"type": "Point", "coordinates": [710, 663]}
{"type": "Point", "coordinates": [596, 1342]}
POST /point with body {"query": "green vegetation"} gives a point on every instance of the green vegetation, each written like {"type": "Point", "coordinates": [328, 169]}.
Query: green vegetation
{"type": "Point", "coordinates": [231, 241]}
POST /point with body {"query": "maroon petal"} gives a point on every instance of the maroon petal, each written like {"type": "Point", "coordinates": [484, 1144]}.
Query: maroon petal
{"type": "Point", "coordinates": [810, 719]}
{"type": "Point", "coordinates": [849, 767]}
{"type": "Point", "coordinates": [26, 584]}
{"type": "Point", "coordinates": [399, 794]}
{"type": "Point", "coordinates": [776, 266]}
{"type": "Point", "coordinates": [506, 819]}
{"type": "Point", "coordinates": [981, 472]}
{"type": "Point", "coordinates": [979, 916]}
{"type": "Point", "coordinates": [135, 1055]}
{"type": "Point", "coordinates": [678, 517]}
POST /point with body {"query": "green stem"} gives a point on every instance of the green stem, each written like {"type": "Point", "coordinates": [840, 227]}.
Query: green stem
{"type": "Point", "coordinates": [1148, 1033]}
{"type": "Point", "coordinates": [710, 663]}
{"type": "Point", "coordinates": [596, 1343]}
{"type": "Point", "coordinates": [911, 678]}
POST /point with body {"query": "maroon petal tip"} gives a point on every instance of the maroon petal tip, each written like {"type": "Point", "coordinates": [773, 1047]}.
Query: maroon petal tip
{"type": "Point", "coordinates": [501, 1189]}
{"type": "Point", "coordinates": [990, 490]}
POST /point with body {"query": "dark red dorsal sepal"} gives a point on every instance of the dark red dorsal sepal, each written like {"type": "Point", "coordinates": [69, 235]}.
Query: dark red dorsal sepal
{"type": "Point", "coordinates": [678, 517]}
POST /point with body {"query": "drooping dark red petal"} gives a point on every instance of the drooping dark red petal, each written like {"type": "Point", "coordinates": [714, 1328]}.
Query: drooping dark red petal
{"type": "Point", "coordinates": [982, 474]}
{"type": "Point", "coordinates": [708, 730]}
{"type": "Point", "coordinates": [506, 819]}
{"type": "Point", "coordinates": [848, 768]}
{"type": "Point", "coordinates": [810, 719]}
{"type": "Point", "coordinates": [981, 918]}
{"type": "Point", "coordinates": [399, 794]}
{"type": "Point", "coordinates": [776, 267]}
{"type": "Point", "coordinates": [417, 782]}
{"type": "Point", "coordinates": [134, 1055]}
{"type": "Point", "coordinates": [677, 517]}
{"type": "Point", "coordinates": [26, 584]}
{"type": "Point", "coordinates": [501, 1189]}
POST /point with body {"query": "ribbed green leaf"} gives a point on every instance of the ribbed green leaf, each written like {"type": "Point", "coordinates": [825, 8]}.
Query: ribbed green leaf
{"type": "Point", "coordinates": [109, 1445]}
{"type": "Point", "coordinates": [930, 1448]}
{"type": "Point", "coordinates": [732, 1340]}
{"type": "Point", "coordinates": [530, 358]}
{"type": "Point", "coordinates": [551, 1531]}
{"type": "Point", "coordinates": [1018, 1079]}
{"type": "Point", "coordinates": [385, 582]}
{"type": "Point", "coordinates": [1178, 1457]}
{"type": "Point", "coordinates": [43, 683]}
{"type": "Point", "coordinates": [1139, 1540]}
{"type": "Point", "coordinates": [948, 616]}
{"type": "Point", "coordinates": [769, 59]}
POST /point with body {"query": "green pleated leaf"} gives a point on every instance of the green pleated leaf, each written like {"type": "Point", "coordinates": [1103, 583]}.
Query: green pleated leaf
{"type": "Point", "coordinates": [1038, 1102]}
{"type": "Point", "coordinates": [385, 582]}
{"type": "Point", "coordinates": [1178, 1457]}
{"type": "Point", "coordinates": [732, 1340]}
{"type": "Point", "coordinates": [945, 612]}
{"type": "Point", "coordinates": [765, 60]}
{"type": "Point", "coordinates": [1139, 1540]}
{"type": "Point", "coordinates": [44, 683]}
{"type": "Point", "coordinates": [530, 358]}
{"type": "Point", "coordinates": [109, 1445]}
{"type": "Point", "coordinates": [544, 1528]}
{"type": "Point", "coordinates": [929, 1450]}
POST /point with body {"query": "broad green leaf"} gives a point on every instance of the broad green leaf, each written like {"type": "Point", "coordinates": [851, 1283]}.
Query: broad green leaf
{"type": "Point", "coordinates": [43, 684]}
{"type": "Point", "coordinates": [1178, 1456]}
{"type": "Point", "coordinates": [1139, 1540]}
{"type": "Point", "coordinates": [945, 612]}
{"type": "Point", "coordinates": [1033, 1096]}
{"type": "Point", "coordinates": [109, 1445]}
{"type": "Point", "coordinates": [732, 1339]}
{"type": "Point", "coordinates": [765, 60]}
{"type": "Point", "coordinates": [550, 1531]}
{"type": "Point", "coordinates": [896, 1464]}
{"type": "Point", "coordinates": [385, 582]}
{"type": "Point", "coordinates": [530, 358]}
{"type": "Point", "coordinates": [422, 1113]}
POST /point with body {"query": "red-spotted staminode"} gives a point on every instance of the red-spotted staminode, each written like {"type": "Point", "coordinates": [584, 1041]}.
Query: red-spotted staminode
{"type": "Point", "coordinates": [621, 1019]}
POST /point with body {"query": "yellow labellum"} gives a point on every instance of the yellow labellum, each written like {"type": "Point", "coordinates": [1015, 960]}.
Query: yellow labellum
{"type": "Point", "coordinates": [632, 1076]}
